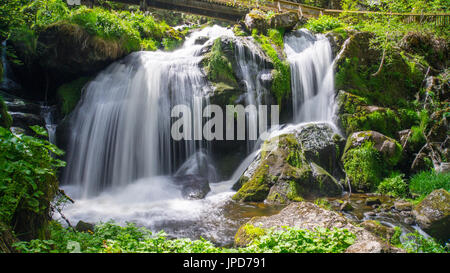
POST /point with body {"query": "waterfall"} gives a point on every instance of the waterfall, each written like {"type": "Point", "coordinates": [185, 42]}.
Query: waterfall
{"type": "Point", "coordinates": [121, 129]}
{"type": "Point", "coordinates": [312, 76]}
{"type": "Point", "coordinates": [7, 83]}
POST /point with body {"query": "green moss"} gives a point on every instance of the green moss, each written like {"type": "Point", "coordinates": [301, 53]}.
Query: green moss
{"type": "Point", "coordinates": [397, 82]}
{"type": "Point", "coordinates": [217, 66]}
{"type": "Point", "coordinates": [364, 167]}
{"type": "Point", "coordinates": [294, 192]}
{"type": "Point", "coordinates": [257, 188]}
{"type": "Point", "coordinates": [69, 94]}
{"type": "Point", "coordinates": [281, 83]}
{"type": "Point", "coordinates": [5, 117]}
{"type": "Point", "coordinates": [247, 233]}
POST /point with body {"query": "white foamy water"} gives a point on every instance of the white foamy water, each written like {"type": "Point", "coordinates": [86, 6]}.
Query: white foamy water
{"type": "Point", "coordinates": [312, 76]}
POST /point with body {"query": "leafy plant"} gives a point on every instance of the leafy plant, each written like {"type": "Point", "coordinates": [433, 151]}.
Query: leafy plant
{"type": "Point", "coordinates": [27, 172]}
{"type": "Point", "coordinates": [111, 238]}
{"type": "Point", "coordinates": [323, 23]}
{"type": "Point", "coordinates": [394, 186]}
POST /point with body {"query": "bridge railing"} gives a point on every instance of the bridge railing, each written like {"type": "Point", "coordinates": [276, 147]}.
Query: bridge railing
{"type": "Point", "coordinates": [440, 19]}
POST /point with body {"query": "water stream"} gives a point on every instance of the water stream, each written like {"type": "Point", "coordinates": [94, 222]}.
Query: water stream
{"type": "Point", "coordinates": [121, 156]}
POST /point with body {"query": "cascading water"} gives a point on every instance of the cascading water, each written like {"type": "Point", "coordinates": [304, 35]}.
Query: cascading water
{"type": "Point", "coordinates": [312, 77]}
{"type": "Point", "coordinates": [122, 128]}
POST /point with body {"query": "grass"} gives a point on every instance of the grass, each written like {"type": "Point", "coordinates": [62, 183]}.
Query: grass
{"type": "Point", "coordinates": [425, 182]}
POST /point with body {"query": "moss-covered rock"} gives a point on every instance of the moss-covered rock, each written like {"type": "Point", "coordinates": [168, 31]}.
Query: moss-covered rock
{"type": "Point", "coordinates": [288, 168]}
{"type": "Point", "coordinates": [246, 234]}
{"type": "Point", "coordinates": [433, 214]}
{"type": "Point", "coordinates": [378, 229]}
{"type": "Point", "coordinates": [368, 157]}
{"type": "Point", "coordinates": [434, 49]}
{"type": "Point", "coordinates": [397, 82]}
{"type": "Point", "coordinates": [69, 94]}
{"type": "Point", "coordinates": [305, 215]}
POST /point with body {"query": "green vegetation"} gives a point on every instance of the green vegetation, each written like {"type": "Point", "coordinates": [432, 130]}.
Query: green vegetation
{"type": "Point", "coordinates": [394, 185]}
{"type": "Point", "coordinates": [218, 67]}
{"type": "Point", "coordinates": [5, 118]}
{"type": "Point", "coordinates": [364, 167]}
{"type": "Point", "coordinates": [133, 30]}
{"type": "Point", "coordinates": [111, 238]}
{"type": "Point", "coordinates": [28, 179]}
{"type": "Point", "coordinates": [69, 94]}
{"type": "Point", "coordinates": [323, 24]}
{"type": "Point", "coordinates": [425, 182]}
{"type": "Point", "coordinates": [281, 83]}
{"type": "Point", "coordinates": [417, 243]}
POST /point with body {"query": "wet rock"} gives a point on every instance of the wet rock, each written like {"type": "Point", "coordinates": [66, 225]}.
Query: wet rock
{"type": "Point", "coordinates": [256, 19]}
{"type": "Point", "coordinates": [403, 206]}
{"type": "Point", "coordinates": [435, 49]}
{"type": "Point", "coordinates": [289, 168]}
{"type": "Point", "coordinates": [192, 186]}
{"type": "Point", "coordinates": [433, 214]}
{"type": "Point", "coordinates": [372, 201]}
{"type": "Point", "coordinates": [378, 229]}
{"type": "Point", "coordinates": [305, 215]}
{"type": "Point", "coordinates": [346, 206]}
{"type": "Point", "coordinates": [201, 40]}
{"type": "Point", "coordinates": [84, 227]}
{"type": "Point", "coordinates": [286, 20]}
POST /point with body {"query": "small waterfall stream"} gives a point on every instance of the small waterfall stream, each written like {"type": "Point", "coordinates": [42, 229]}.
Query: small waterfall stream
{"type": "Point", "coordinates": [312, 77]}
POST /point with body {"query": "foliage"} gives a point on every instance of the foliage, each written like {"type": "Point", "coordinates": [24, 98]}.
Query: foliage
{"type": "Point", "coordinates": [364, 167]}
{"type": "Point", "coordinates": [111, 238]}
{"type": "Point", "coordinates": [323, 23]}
{"type": "Point", "coordinates": [5, 117]}
{"type": "Point", "coordinates": [27, 172]}
{"type": "Point", "coordinates": [134, 30]}
{"type": "Point", "coordinates": [281, 83]}
{"type": "Point", "coordinates": [217, 66]}
{"type": "Point", "coordinates": [425, 182]}
{"type": "Point", "coordinates": [417, 243]}
{"type": "Point", "coordinates": [394, 185]}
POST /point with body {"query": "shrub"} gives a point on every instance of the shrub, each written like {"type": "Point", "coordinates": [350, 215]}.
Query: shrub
{"type": "Point", "coordinates": [394, 186]}
{"type": "Point", "coordinates": [28, 180]}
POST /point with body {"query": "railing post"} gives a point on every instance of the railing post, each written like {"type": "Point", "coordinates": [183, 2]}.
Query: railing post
{"type": "Point", "coordinates": [300, 11]}
{"type": "Point", "coordinates": [279, 6]}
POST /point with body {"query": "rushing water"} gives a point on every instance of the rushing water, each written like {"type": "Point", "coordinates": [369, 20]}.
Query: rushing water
{"type": "Point", "coordinates": [121, 156]}
{"type": "Point", "coordinates": [312, 77]}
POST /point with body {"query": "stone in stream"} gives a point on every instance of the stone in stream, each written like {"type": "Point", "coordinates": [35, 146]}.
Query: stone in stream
{"type": "Point", "coordinates": [306, 215]}
{"type": "Point", "coordinates": [192, 186]}
{"type": "Point", "coordinates": [293, 166]}
{"type": "Point", "coordinates": [433, 214]}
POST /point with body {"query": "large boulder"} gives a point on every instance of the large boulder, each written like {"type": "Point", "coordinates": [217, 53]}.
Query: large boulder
{"type": "Point", "coordinates": [367, 158]}
{"type": "Point", "coordinates": [433, 214]}
{"type": "Point", "coordinates": [305, 215]}
{"type": "Point", "coordinates": [256, 19]}
{"type": "Point", "coordinates": [192, 186]}
{"type": "Point", "coordinates": [358, 63]}
{"type": "Point", "coordinates": [293, 166]}
{"type": "Point", "coordinates": [434, 49]}
{"type": "Point", "coordinates": [286, 20]}
{"type": "Point", "coordinates": [61, 53]}
{"type": "Point", "coordinates": [356, 114]}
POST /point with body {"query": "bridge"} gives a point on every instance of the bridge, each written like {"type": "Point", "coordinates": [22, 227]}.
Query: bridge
{"type": "Point", "coordinates": [235, 10]}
